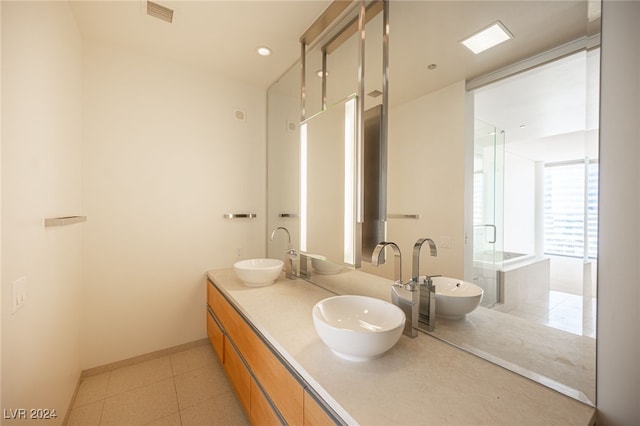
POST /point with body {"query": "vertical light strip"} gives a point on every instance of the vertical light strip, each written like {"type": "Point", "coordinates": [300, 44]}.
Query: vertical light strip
{"type": "Point", "coordinates": [359, 172]}
{"type": "Point", "coordinates": [303, 81]}
{"type": "Point", "coordinates": [349, 180]}
{"type": "Point", "coordinates": [303, 187]}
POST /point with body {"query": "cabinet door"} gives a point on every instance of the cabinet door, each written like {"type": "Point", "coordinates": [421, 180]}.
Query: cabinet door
{"type": "Point", "coordinates": [261, 412]}
{"type": "Point", "coordinates": [238, 374]}
{"type": "Point", "coordinates": [314, 415]}
{"type": "Point", "coordinates": [283, 389]}
{"type": "Point", "coordinates": [215, 336]}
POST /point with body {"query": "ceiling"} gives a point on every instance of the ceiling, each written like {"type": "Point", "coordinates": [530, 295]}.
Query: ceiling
{"type": "Point", "coordinates": [219, 36]}
{"type": "Point", "coordinates": [549, 113]}
{"type": "Point", "coordinates": [222, 37]}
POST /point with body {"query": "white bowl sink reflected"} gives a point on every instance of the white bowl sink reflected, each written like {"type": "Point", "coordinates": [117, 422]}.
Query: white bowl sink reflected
{"type": "Point", "coordinates": [323, 266]}
{"type": "Point", "coordinates": [258, 272]}
{"type": "Point", "coordinates": [455, 298]}
{"type": "Point", "coordinates": [358, 328]}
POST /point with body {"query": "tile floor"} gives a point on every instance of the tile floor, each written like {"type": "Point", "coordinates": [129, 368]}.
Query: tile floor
{"type": "Point", "coordinates": [181, 389]}
{"type": "Point", "coordinates": [565, 311]}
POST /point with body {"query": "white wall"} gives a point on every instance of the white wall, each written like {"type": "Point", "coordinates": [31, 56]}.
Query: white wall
{"type": "Point", "coordinates": [519, 204]}
{"type": "Point", "coordinates": [41, 177]}
{"type": "Point", "coordinates": [164, 159]}
{"type": "Point", "coordinates": [283, 163]}
{"type": "Point", "coordinates": [1, 287]}
{"type": "Point", "coordinates": [618, 369]}
{"type": "Point", "coordinates": [426, 177]}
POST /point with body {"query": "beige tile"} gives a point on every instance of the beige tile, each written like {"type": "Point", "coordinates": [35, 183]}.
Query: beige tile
{"type": "Point", "coordinates": [141, 405]}
{"type": "Point", "coordinates": [172, 420]}
{"type": "Point", "coordinates": [192, 359]}
{"type": "Point", "coordinates": [92, 389]}
{"type": "Point", "coordinates": [222, 410]}
{"type": "Point", "coordinates": [201, 384]}
{"type": "Point", "coordinates": [87, 415]}
{"type": "Point", "coordinates": [131, 377]}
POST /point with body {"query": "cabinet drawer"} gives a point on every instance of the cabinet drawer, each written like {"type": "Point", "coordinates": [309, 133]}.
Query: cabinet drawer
{"type": "Point", "coordinates": [261, 412]}
{"type": "Point", "coordinates": [238, 374]}
{"type": "Point", "coordinates": [283, 389]}
{"type": "Point", "coordinates": [214, 298]}
{"type": "Point", "coordinates": [314, 415]}
{"type": "Point", "coordinates": [215, 336]}
{"type": "Point", "coordinates": [231, 321]}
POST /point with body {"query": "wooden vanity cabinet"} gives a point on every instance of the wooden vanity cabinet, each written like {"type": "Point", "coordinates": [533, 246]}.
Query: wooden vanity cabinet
{"type": "Point", "coordinates": [261, 412]}
{"type": "Point", "coordinates": [314, 415]}
{"type": "Point", "coordinates": [254, 370]}
{"type": "Point", "coordinates": [238, 374]}
{"type": "Point", "coordinates": [216, 336]}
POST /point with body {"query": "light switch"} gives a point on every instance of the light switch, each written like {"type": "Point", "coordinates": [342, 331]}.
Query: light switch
{"type": "Point", "coordinates": [445, 242]}
{"type": "Point", "coordinates": [19, 293]}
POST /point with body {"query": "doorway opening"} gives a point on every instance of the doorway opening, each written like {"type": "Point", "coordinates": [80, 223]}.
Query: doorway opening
{"type": "Point", "coordinates": [536, 193]}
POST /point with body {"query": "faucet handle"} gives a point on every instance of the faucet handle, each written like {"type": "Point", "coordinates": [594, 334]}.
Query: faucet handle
{"type": "Point", "coordinates": [411, 285]}
{"type": "Point", "coordinates": [427, 279]}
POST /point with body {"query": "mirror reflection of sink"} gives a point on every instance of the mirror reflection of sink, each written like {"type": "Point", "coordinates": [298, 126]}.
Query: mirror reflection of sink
{"type": "Point", "coordinates": [323, 266]}
{"type": "Point", "coordinates": [358, 328]}
{"type": "Point", "coordinates": [258, 272]}
{"type": "Point", "coordinates": [455, 298]}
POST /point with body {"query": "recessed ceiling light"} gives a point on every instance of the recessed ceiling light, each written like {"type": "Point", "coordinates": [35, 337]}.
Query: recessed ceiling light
{"type": "Point", "coordinates": [432, 67]}
{"type": "Point", "coordinates": [263, 51]}
{"type": "Point", "coordinates": [522, 126]}
{"type": "Point", "coordinates": [487, 38]}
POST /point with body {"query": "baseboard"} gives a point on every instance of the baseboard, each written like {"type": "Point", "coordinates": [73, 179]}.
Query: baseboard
{"type": "Point", "coordinates": [141, 358]}
{"type": "Point", "coordinates": [127, 362]}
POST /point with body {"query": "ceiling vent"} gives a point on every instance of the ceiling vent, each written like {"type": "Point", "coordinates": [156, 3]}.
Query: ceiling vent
{"type": "Point", "coordinates": [375, 93]}
{"type": "Point", "coordinates": [159, 11]}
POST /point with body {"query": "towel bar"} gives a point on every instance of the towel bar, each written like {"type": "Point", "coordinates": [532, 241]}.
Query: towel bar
{"type": "Point", "coordinates": [62, 221]}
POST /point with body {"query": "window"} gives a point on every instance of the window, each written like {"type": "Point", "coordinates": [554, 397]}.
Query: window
{"type": "Point", "coordinates": [570, 211]}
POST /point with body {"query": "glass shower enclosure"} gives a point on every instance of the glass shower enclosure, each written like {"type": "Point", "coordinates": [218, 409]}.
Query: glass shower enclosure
{"type": "Point", "coordinates": [488, 206]}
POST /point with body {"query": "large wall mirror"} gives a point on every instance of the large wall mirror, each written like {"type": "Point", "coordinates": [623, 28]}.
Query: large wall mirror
{"type": "Point", "coordinates": [492, 155]}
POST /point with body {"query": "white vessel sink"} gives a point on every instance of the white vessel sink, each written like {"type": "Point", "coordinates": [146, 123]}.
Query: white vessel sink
{"type": "Point", "coordinates": [258, 272]}
{"type": "Point", "coordinates": [358, 328]}
{"type": "Point", "coordinates": [455, 298]}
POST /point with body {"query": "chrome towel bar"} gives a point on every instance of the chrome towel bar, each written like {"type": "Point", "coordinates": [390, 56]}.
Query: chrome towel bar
{"type": "Point", "coordinates": [403, 216]}
{"type": "Point", "coordinates": [62, 221]}
{"type": "Point", "coordinates": [240, 215]}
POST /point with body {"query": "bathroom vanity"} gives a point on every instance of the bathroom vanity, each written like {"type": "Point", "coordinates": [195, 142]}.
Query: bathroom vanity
{"type": "Point", "coordinates": [282, 371]}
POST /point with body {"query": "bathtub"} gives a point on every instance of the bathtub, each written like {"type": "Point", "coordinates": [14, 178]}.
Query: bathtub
{"type": "Point", "coordinates": [519, 279]}
{"type": "Point", "coordinates": [505, 257]}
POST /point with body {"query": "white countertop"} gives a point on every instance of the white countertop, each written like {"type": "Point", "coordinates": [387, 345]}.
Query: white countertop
{"type": "Point", "coordinates": [420, 381]}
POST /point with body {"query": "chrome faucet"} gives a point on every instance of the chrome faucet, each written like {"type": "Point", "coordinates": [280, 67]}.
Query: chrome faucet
{"type": "Point", "coordinates": [427, 317]}
{"type": "Point", "coordinates": [405, 296]}
{"type": "Point", "coordinates": [290, 255]}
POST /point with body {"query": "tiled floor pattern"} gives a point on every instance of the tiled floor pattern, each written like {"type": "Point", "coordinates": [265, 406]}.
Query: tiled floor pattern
{"type": "Point", "coordinates": [568, 312]}
{"type": "Point", "coordinates": [187, 388]}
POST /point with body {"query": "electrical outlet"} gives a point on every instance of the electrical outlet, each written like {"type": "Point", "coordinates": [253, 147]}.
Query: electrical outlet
{"type": "Point", "coordinates": [445, 242]}
{"type": "Point", "coordinates": [239, 252]}
{"type": "Point", "coordinates": [19, 294]}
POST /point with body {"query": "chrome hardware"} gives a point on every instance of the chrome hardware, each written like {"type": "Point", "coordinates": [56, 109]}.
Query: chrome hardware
{"type": "Point", "coordinates": [290, 255]}
{"type": "Point", "coordinates": [405, 296]}
{"type": "Point", "coordinates": [240, 215]}
{"type": "Point", "coordinates": [427, 290]}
